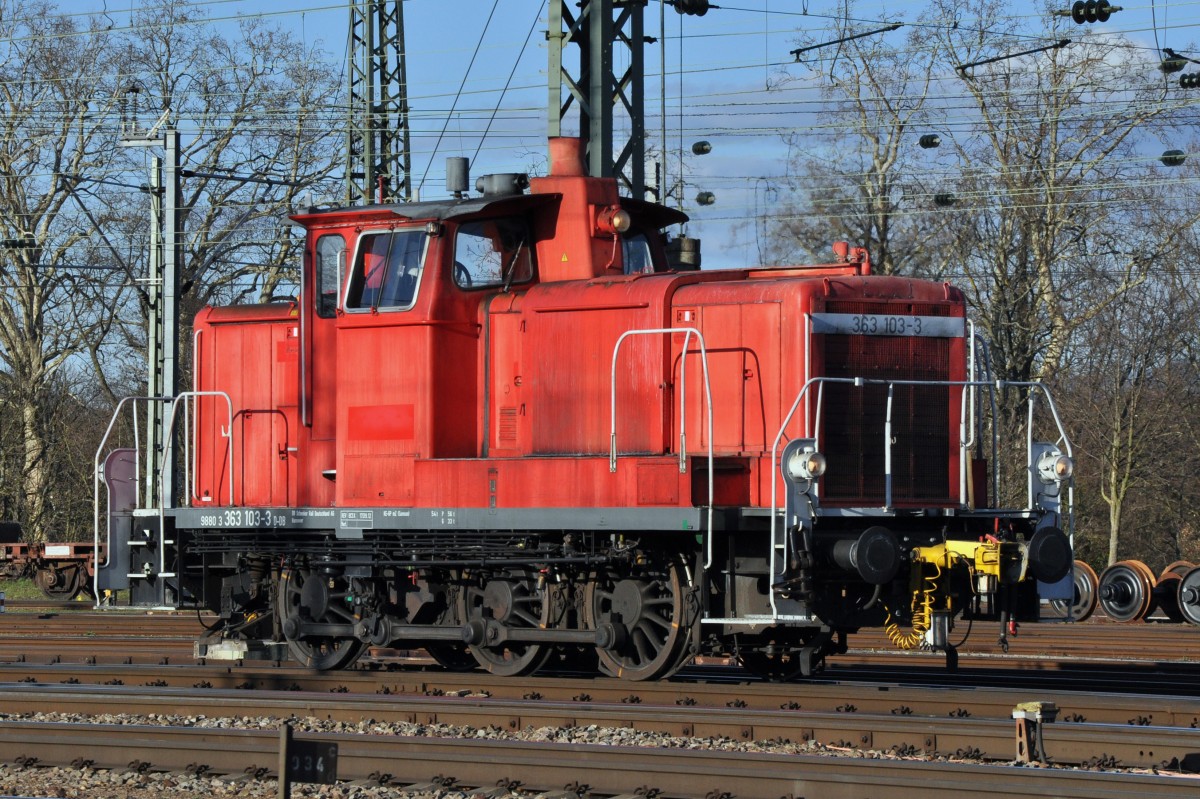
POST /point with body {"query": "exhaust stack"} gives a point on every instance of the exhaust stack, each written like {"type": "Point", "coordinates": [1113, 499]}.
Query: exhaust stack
{"type": "Point", "coordinates": [566, 157]}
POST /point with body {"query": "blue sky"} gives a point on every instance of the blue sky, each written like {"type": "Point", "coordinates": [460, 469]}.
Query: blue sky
{"type": "Point", "coordinates": [740, 87]}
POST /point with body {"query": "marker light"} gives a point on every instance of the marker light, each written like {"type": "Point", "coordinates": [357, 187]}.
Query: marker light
{"type": "Point", "coordinates": [806, 465]}
{"type": "Point", "coordinates": [612, 219]}
{"type": "Point", "coordinates": [1054, 467]}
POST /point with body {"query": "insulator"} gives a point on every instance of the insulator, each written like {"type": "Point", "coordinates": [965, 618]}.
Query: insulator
{"type": "Point", "coordinates": [697, 7]}
{"type": "Point", "coordinates": [706, 198]}
{"type": "Point", "coordinates": [929, 141]}
{"type": "Point", "coordinates": [1173, 64]}
{"type": "Point", "coordinates": [1092, 11]}
{"type": "Point", "coordinates": [1173, 158]}
{"type": "Point", "coordinates": [1189, 80]}
{"type": "Point", "coordinates": [701, 148]}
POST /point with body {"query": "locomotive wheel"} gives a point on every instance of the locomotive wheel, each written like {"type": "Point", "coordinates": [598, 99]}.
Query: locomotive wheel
{"type": "Point", "coordinates": [60, 582]}
{"type": "Point", "coordinates": [1084, 583]}
{"type": "Point", "coordinates": [513, 598]}
{"type": "Point", "coordinates": [1148, 576]}
{"type": "Point", "coordinates": [1188, 595]}
{"type": "Point", "coordinates": [450, 655]}
{"type": "Point", "coordinates": [1166, 594]}
{"type": "Point", "coordinates": [1178, 568]}
{"type": "Point", "coordinates": [775, 655]}
{"type": "Point", "coordinates": [1126, 591]}
{"type": "Point", "coordinates": [305, 596]}
{"type": "Point", "coordinates": [647, 602]}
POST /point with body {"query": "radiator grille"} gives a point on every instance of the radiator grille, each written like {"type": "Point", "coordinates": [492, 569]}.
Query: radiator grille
{"type": "Point", "coordinates": [853, 418]}
{"type": "Point", "coordinates": [508, 424]}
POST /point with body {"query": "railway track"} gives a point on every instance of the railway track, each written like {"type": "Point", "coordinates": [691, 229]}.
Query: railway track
{"type": "Point", "coordinates": [842, 717]}
{"type": "Point", "coordinates": [570, 770]}
{"type": "Point", "coordinates": [82, 605]}
{"type": "Point", "coordinates": [855, 723]}
{"type": "Point", "coordinates": [1152, 661]}
{"type": "Point", "coordinates": [968, 695]}
{"type": "Point", "coordinates": [144, 637]}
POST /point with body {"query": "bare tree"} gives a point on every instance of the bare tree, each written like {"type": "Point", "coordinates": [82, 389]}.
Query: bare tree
{"type": "Point", "coordinates": [1055, 139]}
{"type": "Point", "coordinates": [254, 109]}
{"type": "Point", "coordinates": [1051, 183]}
{"type": "Point", "coordinates": [1127, 395]}
{"type": "Point", "coordinates": [855, 176]}
{"type": "Point", "coordinates": [53, 85]}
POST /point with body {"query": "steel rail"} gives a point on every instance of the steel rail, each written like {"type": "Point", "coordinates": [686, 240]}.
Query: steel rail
{"type": "Point", "coordinates": [547, 766]}
{"type": "Point", "coordinates": [1124, 687]}
{"type": "Point", "coordinates": [1159, 641]}
{"type": "Point", "coordinates": [83, 658]}
{"type": "Point", "coordinates": [855, 697]}
{"type": "Point", "coordinates": [980, 739]}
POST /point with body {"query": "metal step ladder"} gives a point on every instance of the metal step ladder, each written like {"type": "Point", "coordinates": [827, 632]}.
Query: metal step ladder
{"type": "Point", "coordinates": [141, 557]}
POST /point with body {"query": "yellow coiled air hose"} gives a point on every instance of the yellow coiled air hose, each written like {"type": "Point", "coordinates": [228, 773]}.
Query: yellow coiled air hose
{"type": "Point", "coordinates": [922, 613]}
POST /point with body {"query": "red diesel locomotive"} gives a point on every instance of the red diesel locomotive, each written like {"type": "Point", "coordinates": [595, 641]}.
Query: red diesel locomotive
{"type": "Point", "coordinates": [505, 429]}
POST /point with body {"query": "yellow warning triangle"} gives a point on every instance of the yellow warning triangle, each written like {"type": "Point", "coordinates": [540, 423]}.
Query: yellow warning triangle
{"type": "Point", "coordinates": [564, 258]}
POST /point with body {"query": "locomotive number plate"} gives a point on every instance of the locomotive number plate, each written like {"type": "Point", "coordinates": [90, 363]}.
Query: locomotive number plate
{"type": "Point", "coordinates": [877, 324]}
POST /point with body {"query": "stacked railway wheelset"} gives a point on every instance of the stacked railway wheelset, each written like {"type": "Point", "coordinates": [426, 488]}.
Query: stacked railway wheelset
{"type": "Point", "coordinates": [512, 429]}
{"type": "Point", "coordinates": [1129, 591]}
{"type": "Point", "coordinates": [61, 571]}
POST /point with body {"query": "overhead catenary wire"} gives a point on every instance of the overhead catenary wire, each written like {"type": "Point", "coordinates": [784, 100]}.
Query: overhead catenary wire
{"type": "Point", "coordinates": [696, 120]}
{"type": "Point", "coordinates": [508, 82]}
{"type": "Point", "coordinates": [466, 74]}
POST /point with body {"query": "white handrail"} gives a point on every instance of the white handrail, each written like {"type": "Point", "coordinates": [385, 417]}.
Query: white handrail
{"type": "Point", "coordinates": [859, 381]}
{"type": "Point", "coordinates": [972, 374]}
{"type": "Point", "coordinates": [787, 419]}
{"type": "Point", "coordinates": [227, 433]}
{"type": "Point", "coordinates": [1062, 435]}
{"type": "Point", "coordinates": [991, 394]}
{"type": "Point", "coordinates": [137, 482]}
{"type": "Point", "coordinates": [612, 433]}
{"type": "Point", "coordinates": [137, 477]}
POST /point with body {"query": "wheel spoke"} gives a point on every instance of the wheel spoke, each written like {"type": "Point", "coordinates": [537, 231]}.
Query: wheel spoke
{"type": "Point", "coordinates": [525, 616]}
{"type": "Point", "coordinates": [664, 624]}
{"type": "Point", "coordinates": [653, 633]}
{"type": "Point", "coordinates": [643, 646]}
{"type": "Point", "coordinates": [341, 612]}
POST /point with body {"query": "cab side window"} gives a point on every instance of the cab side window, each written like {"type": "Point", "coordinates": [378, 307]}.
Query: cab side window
{"type": "Point", "coordinates": [492, 252]}
{"type": "Point", "coordinates": [387, 270]}
{"type": "Point", "coordinates": [636, 254]}
{"type": "Point", "coordinates": [331, 267]}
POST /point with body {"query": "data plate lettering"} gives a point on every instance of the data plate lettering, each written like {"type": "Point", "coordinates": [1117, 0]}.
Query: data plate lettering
{"type": "Point", "coordinates": [243, 517]}
{"type": "Point", "coordinates": [877, 324]}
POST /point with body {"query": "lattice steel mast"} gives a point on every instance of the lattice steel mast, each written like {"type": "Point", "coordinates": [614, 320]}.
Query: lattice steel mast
{"type": "Point", "coordinates": [602, 29]}
{"type": "Point", "coordinates": [378, 159]}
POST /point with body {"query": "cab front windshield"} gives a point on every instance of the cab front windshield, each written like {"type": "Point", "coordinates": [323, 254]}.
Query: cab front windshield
{"type": "Point", "coordinates": [387, 269]}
